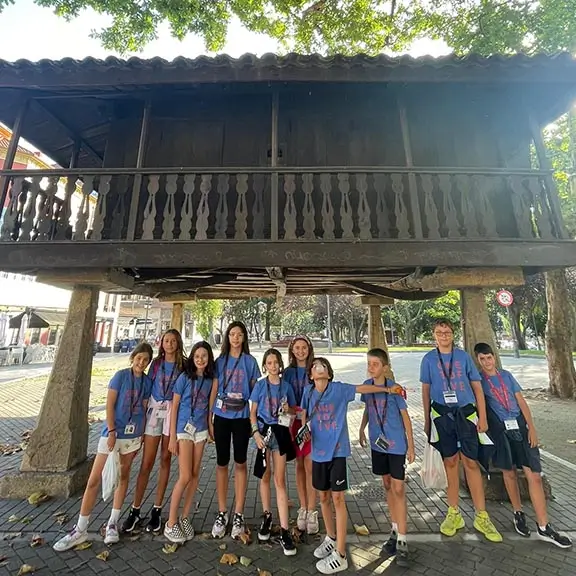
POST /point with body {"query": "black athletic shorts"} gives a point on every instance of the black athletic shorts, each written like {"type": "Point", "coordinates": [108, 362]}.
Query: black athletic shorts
{"type": "Point", "coordinates": [384, 464]}
{"type": "Point", "coordinates": [457, 434]}
{"type": "Point", "coordinates": [237, 430]}
{"type": "Point", "coordinates": [331, 475]}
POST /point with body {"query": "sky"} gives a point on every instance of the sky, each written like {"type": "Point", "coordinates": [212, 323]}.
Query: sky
{"type": "Point", "coordinates": [34, 33]}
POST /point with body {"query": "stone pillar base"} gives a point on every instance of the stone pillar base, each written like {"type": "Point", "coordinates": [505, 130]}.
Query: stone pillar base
{"type": "Point", "coordinates": [56, 484]}
{"type": "Point", "coordinates": [495, 490]}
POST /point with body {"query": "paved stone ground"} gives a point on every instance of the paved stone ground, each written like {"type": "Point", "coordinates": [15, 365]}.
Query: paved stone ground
{"type": "Point", "coordinates": [365, 506]}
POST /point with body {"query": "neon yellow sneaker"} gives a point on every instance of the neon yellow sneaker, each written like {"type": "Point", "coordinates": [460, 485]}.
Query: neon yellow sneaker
{"type": "Point", "coordinates": [484, 525]}
{"type": "Point", "coordinates": [452, 523]}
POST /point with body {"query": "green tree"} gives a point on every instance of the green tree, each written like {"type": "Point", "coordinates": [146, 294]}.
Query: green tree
{"type": "Point", "coordinates": [205, 314]}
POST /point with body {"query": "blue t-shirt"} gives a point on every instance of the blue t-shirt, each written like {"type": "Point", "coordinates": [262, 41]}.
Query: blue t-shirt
{"type": "Point", "coordinates": [326, 413]}
{"type": "Point", "coordinates": [463, 372]}
{"type": "Point", "coordinates": [297, 377]}
{"type": "Point", "coordinates": [129, 406]}
{"type": "Point", "coordinates": [195, 392]}
{"type": "Point", "coordinates": [236, 376]}
{"type": "Point", "coordinates": [388, 407]}
{"type": "Point", "coordinates": [268, 406]}
{"type": "Point", "coordinates": [164, 375]}
{"type": "Point", "coordinates": [497, 399]}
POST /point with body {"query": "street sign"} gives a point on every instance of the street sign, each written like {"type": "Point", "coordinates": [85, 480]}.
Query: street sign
{"type": "Point", "coordinates": [505, 298]}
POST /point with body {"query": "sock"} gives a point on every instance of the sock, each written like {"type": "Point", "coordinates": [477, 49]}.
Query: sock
{"type": "Point", "coordinates": [343, 556]}
{"type": "Point", "coordinates": [543, 528]}
{"type": "Point", "coordinates": [114, 517]}
{"type": "Point", "coordinates": [82, 523]}
{"type": "Point", "coordinates": [401, 538]}
{"type": "Point", "coordinates": [394, 528]}
{"type": "Point", "coordinates": [136, 509]}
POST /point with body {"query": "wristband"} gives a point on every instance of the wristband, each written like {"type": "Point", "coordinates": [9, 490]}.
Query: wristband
{"type": "Point", "coordinates": [112, 431]}
{"type": "Point", "coordinates": [254, 429]}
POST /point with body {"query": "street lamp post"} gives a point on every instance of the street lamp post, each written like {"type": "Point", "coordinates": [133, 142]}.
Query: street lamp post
{"type": "Point", "coordinates": [147, 305]}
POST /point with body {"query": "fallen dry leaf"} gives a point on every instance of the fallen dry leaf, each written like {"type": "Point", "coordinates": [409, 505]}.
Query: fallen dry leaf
{"type": "Point", "coordinates": [61, 519]}
{"type": "Point", "coordinates": [245, 561]}
{"type": "Point", "coordinates": [83, 546]}
{"type": "Point", "coordinates": [26, 569]}
{"type": "Point", "coordinates": [229, 559]}
{"type": "Point", "coordinates": [263, 572]}
{"type": "Point", "coordinates": [37, 498]}
{"type": "Point", "coordinates": [3, 557]}
{"type": "Point", "coordinates": [170, 548]}
{"type": "Point", "coordinates": [26, 520]}
{"type": "Point", "coordinates": [134, 538]}
{"type": "Point", "coordinates": [36, 541]}
{"type": "Point", "coordinates": [245, 538]}
{"type": "Point", "coordinates": [296, 535]}
{"type": "Point", "coordinates": [571, 441]}
{"type": "Point", "coordinates": [13, 518]}
{"type": "Point", "coordinates": [222, 547]}
{"type": "Point", "coordinates": [361, 530]}
{"type": "Point", "coordinates": [4, 563]}
{"type": "Point", "coordinates": [103, 555]}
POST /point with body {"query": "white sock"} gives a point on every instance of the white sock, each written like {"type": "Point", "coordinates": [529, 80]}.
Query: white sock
{"type": "Point", "coordinates": [402, 538]}
{"type": "Point", "coordinates": [82, 523]}
{"type": "Point", "coordinates": [395, 527]}
{"type": "Point", "coordinates": [542, 528]}
{"type": "Point", "coordinates": [114, 517]}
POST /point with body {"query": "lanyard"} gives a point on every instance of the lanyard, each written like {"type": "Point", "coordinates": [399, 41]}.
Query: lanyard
{"type": "Point", "coordinates": [228, 377]}
{"type": "Point", "coordinates": [134, 403]}
{"type": "Point", "coordinates": [501, 397]}
{"type": "Point", "coordinates": [165, 388]}
{"type": "Point", "coordinates": [381, 419]}
{"type": "Point", "coordinates": [274, 414]}
{"type": "Point", "coordinates": [447, 374]}
{"type": "Point", "coordinates": [300, 384]}
{"type": "Point", "coordinates": [194, 393]}
{"type": "Point", "coordinates": [311, 414]}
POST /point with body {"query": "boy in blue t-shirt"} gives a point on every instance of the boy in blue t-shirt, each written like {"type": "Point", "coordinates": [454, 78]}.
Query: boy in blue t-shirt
{"type": "Point", "coordinates": [455, 423]}
{"type": "Point", "coordinates": [514, 434]}
{"type": "Point", "coordinates": [324, 407]}
{"type": "Point", "coordinates": [392, 443]}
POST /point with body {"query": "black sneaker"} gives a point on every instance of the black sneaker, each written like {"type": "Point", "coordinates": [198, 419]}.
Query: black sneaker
{"type": "Point", "coordinates": [389, 547]}
{"type": "Point", "coordinates": [402, 555]}
{"type": "Point", "coordinates": [287, 543]}
{"type": "Point", "coordinates": [265, 527]}
{"type": "Point", "coordinates": [155, 522]}
{"type": "Point", "coordinates": [550, 535]}
{"type": "Point", "coordinates": [132, 521]}
{"type": "Point", "coordinates": [520, 524]}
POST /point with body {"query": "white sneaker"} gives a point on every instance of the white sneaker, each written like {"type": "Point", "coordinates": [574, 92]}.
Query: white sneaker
{"type": "Point", "coordinates": [112, 535]}
{"type": "Point", "coordinates": [219, 528]}
{"type": "Point", "coordinates": [174, 533]}
{"type": "Point", "coordinates": [332, 564]}
{"type": "Point", "coordinates": [70, 540]}
{"type": "Point", "coordinates": [238, 526]}
{"type": "Point", "coordinates": [326, 548]}
{"type": "Point", "coordinates": [312, 525]}
{"type": "Point", "coordinates": [301, 521]}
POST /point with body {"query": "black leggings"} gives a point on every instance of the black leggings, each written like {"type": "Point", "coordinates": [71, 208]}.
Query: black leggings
{"type": "Point", "coordinates": [236, 429]}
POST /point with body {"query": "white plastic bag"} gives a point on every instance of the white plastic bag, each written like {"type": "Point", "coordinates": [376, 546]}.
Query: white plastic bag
{"type": "Point", "coordinates": [111, 474]}
{"type": "Point", "coordinates": [432, 472]}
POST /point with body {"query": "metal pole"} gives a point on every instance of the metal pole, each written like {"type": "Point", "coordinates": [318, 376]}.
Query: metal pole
{"type": "Point", "coordinates": [513, 333]}
{"type": "Point", "coordinates": [146, 320]}
{"type": "Point", "coordinates": [329, 323]}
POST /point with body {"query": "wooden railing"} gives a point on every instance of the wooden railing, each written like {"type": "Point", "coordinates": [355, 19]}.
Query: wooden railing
{"type": "Point", "coordinates": [314, 204]}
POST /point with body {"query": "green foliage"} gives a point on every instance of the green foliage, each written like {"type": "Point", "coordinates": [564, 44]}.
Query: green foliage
{"type": "Point", "coordinates": [205, 314]}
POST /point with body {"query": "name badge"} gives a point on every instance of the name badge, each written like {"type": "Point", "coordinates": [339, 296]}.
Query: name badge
{"type": "Point", "coordinates": [303, 435]}
{"type": "Point", "coordinates": [190, 428]}
{"type": "Point", "coordinates": [450, 397]}
{"type": "Point", "coordinates": [285, 420]}
{"type": "Point", "coordinates": [219, 403]}
{"type": "Point", "coordinates": [382, 443]}
{"type": "Point", "coordinates": [162, 408]}
{"type": "Point", "coordinates": [129, 429]}
{"type": "Point", "coordinates": [511, 425]}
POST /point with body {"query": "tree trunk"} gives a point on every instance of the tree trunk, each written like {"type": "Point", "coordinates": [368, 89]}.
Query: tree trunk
{"type": "Point", "coordinates": [515, 330]}
{"type": "Point", "coordinates": [559, 337]}
{"type": "Point", "coordinates": [409, 335]}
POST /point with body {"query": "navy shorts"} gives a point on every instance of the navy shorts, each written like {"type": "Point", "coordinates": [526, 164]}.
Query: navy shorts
{"type": "Point", "coordinates": [384, 464]}
{"type": "Point", "coordinates": [454, 439]}
{"type": "Point", "coordinates": [513, 453]}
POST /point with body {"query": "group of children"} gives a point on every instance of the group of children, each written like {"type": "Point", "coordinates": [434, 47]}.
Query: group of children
{"type": "Point", "coordinates": [300, 412]}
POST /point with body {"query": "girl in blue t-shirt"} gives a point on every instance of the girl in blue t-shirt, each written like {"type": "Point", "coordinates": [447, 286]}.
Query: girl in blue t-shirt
{"type": "Point", "coordinates": [164, 372]}
{"type": "Point", "coordinates": [188, 435]}
{"type": "Point", "coordinates": [237, 372]}
{"type": "Point", "coordinates": [272, 404]}
{"type": "Point", "coordinates": [126, 402]}
{"type": "Point", "coordinates": [300, 356]}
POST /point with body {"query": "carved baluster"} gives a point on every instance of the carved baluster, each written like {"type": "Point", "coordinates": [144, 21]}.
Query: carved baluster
{"type": "Point", "coordinates": [481, 184]}
{"type": "Point", "coordinates": [289, 207]}
{"type": "Point", "coordinates": [119, 211]}
{"type": "Point", "coordinates": [222, 209]}
{"type": "Point", "coordinates": [327, 208]}
{"type": "Point", "coordinates": [11, 216]}
{"type": "Point", "coordinates": [430, 210]}
{"type": "Point", "coordinates": [468, 213]}
{"type": "Point", "coordinates": [258, 207]}
{"type": "Point", "coordinates": [400, 211]}
{"type": "Point", "coordinates": [149, 223]}
{"type": "Point", "coordinates": [346, 220]}
{"type": "Point", "coordinates": [382, 212]}
{"type": "Point", "coordinates": [241, 207]}
{"type": "Point", "coordinates": [308, 210]}
{"type": "Point", "coordinates": [450, 215]}
{"type": "Point", "coordinates": [30, 211]}
{"type": "Point", "coordinates": [203, 208]}
{"type": "Point", "coordinates": [364, 223]}
{"type": "Point", "coordinates": [84, 210]}
{"type": "Point", "coordinates": [46, 217]}
{"type": "Point", "coordinates": [169, 214]}
{"type": "Point", "coordinates": [521, 207]}
{"type": "Point", "coordinates": [101, 208]}
{"type": "Point", "coordinates": [65, 210]}
{"type": "Point", "coordinates": [187, 207]}
{"type": "Point", "coordinates": [541, 212]}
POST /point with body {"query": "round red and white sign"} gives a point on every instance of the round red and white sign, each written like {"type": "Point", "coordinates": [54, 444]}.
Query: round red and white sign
{"type": "Point", "coordinates": [505, 298]}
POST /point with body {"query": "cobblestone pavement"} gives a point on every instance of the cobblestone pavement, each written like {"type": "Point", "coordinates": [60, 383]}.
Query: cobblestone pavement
{"type": "Point", "coordinates": [365, 502]}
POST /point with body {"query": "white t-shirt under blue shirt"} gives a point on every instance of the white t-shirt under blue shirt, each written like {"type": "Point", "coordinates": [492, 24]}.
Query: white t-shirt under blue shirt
{"type": "Point", "coordinates": [462, 373]}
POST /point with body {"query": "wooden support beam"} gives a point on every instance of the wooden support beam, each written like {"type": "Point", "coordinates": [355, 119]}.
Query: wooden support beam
{"type": "Point", "coordinates": [111, 280]}
{"type": "Point", "coordinates": [178, 297]}
{"type": "Point", "coordinates": [177, 320]}
{"type": "Point", "coordinates": [157, 289]}
{"type": "Point", "coordinates": [374, 290]}
{"type": "Point", "coordinates": [376, 301]}
{"type": "Point", "coordinates": [278, 278]}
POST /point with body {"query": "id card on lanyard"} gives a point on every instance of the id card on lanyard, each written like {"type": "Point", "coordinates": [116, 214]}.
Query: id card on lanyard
{"type": "Point", "coordinates": [130, 428]}
{"type": "Point", "coordinates": [450, 395]}
{"type": "Point", "coordinates": [189, 427]}
{"type": "Point", "coordinates": [381, 441]}
{"type": "Point", "coordinates": [503, 398]}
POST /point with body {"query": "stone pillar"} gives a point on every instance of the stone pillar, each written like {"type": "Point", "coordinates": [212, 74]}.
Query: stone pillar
{"type": "Point", "coordinates": [376, 333]}
{"type": "Point", "coordinates": [177, 316]}
{"type": "Point", "coordinates": [476, 326]}
{"type": "Point", "coordinates": [55, 461]}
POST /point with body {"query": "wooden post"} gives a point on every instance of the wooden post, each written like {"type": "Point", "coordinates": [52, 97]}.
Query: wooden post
{"type": "Point", "coordinates": [133, 216]}
{"type": "Point", "coordinates": [177, 316]}
{"type": "Point", "coordinates": [274, 163]}
{"type": "Point", "coordinates": [412, 184]}
{"type": "Point", "coordinates": [376, 333]}
{"type": "Point", "coordinates": [74, 157]}
{"type": "Point", "coordinates": [11, 151]}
